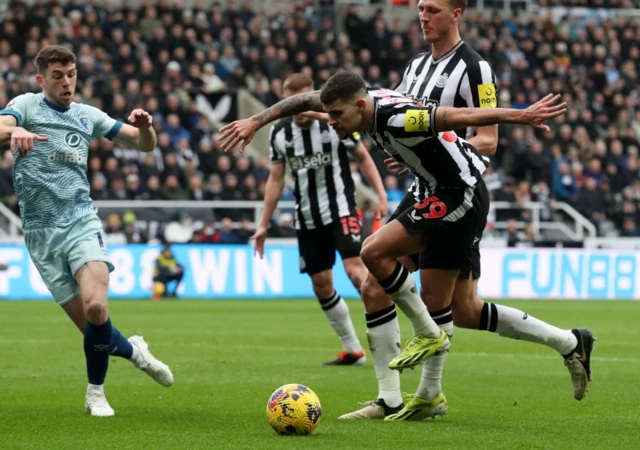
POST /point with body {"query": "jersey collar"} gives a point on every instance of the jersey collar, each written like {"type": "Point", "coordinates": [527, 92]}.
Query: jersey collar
{"type": "Point", "coordinates": [449, 53]}
{"type": "Point", "coordinates": [55, 107]}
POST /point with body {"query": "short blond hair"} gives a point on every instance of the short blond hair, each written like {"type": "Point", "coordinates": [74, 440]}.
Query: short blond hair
{"type": "Point", "coordinates": [297, 81]}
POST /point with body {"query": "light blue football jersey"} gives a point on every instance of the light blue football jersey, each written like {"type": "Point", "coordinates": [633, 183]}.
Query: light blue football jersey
{"type": "Point", "coordinates": [51, 181]}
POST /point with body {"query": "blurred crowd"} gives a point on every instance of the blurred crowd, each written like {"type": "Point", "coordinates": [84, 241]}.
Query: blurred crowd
{"type": "Point", "coordinates": [161, 55]}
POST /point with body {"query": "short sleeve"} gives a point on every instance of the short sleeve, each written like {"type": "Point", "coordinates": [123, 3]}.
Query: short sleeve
{"type": "Point", "coordinates": [22, 108]}
{"type": "Point", "coordinates": [478, 88]}
{"type": "Point", "coordinates": [275, 150]}
{"type": "Point", "coordinates": [412, 120]}
{"type": "Point", "coordinates": [103, 125]}
{"type": "Point", "coordinates": [352, 141]}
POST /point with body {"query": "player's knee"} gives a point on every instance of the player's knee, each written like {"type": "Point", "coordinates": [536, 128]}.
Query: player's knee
{"type": "Point", "coordinates": [96, 311]}
{"type": "Point", "coordinates": [322, 287]}
{"type": "Point", "coordinates": [371, 252]}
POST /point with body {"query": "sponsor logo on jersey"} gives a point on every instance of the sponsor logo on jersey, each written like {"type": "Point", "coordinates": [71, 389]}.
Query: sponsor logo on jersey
{"type": "Point", "coordinates": [442, 80]}
{"type": "Point", "coordinates": [72, 139]}
{"type": "Point", "coordinates": [487, 95]}
{"type": "Point", "coordinates": [67, 157]}
{"type": "Point", "coordinates": [311, 162]}
{"type": "Point", "coordinates": [416, 120]}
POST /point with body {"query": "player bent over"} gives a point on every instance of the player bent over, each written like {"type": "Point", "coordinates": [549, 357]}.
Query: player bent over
{"type": "Point", "coordinates": [50, 138]}
{"type": "Point", "coordinates": [451, 199]}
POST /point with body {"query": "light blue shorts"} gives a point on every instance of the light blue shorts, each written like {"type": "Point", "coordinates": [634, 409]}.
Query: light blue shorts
{"type": "Point", "coordinates": [58, 253]}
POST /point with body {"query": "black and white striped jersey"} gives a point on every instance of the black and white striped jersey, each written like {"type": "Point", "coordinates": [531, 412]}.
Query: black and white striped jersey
{"type": "Point", "coordinates": [405, 130]}
{"type": "Point", "coordinates": [324, 188]}
{"type": "Point", "coordinates": [460, 78]}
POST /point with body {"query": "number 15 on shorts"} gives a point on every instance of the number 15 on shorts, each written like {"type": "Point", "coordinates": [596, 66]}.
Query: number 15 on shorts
{"type": "Point", "coordinates": [350, 225]}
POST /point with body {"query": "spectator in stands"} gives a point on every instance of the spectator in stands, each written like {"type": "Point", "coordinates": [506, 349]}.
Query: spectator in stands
{"type": "Point", "coordinates": [564, 185]}
{"type": "Point", "coordinates": [591, 202]}
{"type": "Point", "coordinates": [134, 233]}
{"type": "Point", "coordinates": [180, 53]}
{"type": "Point", "coordinates": [227, 235]}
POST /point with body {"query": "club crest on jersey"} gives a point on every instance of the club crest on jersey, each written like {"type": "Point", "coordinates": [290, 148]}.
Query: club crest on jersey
{"type": "Point", "coordinates": [487, 95]}
{"type": "Point", "coordinates": [84, 121]}
{"type": "Point", "coordinates": [416, 120]}
{"type": "Point", "coordinates": [442, 80]}
{"type": "Point", "coordinates": [326, 137]}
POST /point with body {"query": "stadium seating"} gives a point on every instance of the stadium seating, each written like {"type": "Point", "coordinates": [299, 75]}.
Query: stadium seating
{"type": "Point", "coordinates": [161, 57]}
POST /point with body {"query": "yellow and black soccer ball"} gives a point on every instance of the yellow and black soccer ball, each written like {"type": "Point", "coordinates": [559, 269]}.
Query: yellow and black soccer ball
{"type": "Point", "coordinates": [294, 409]}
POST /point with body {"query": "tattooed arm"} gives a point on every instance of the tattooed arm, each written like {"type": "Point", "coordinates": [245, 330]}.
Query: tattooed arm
{"type": "Point", "coordinates": [240, 133]}
{"type": "Point", "coordinates": [447, 119]}
{"type": "Point", "coordinates": [296, 104]}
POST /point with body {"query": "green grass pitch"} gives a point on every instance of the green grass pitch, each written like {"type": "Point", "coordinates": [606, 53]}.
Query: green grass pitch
{"type": "Point", "coordinates": [229, 356]}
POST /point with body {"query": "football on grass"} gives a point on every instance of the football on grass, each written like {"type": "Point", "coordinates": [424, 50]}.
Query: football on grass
{"type": "Point", "coordinates": [294, 409]}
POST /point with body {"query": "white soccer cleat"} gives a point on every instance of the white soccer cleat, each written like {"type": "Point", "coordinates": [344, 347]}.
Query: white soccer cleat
{"type": "Point", "coordinates": [96, 404]}
{"type": "Point", "coordinates": [377, 409]}
{"type": "Point", "coordinates": [148, 363]}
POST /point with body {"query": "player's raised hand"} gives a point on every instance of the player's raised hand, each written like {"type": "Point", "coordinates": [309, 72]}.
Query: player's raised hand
{"type": "Point", "coordinates": [139, 118]}
{"type": "Point", "coordinates": [544, 109]}
{"type": "Point", "coordinates": [394, 166]}
{"type": "Point", "coordinates": [260, 236]}
{"type": "Point", "coordinates": [238, 134]}
{"type": "Point", "coordinates": [22, 140]}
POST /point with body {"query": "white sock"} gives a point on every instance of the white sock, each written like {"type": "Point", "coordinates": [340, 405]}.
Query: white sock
{"type": "Point", "coordinates": [96, 387]}
{"type": "Point", "coordinates": [383, 333]}
{"type": "Point", "coordinates": [431, 381]}
{"type": "Point", "coordinates": [135, 356]}
{"type": "Point", "coordinates": [515, 324]}
{"type": "Point", "coordinates": [337, 311]}
{"type": "Point", "coordinates": [403, 292]}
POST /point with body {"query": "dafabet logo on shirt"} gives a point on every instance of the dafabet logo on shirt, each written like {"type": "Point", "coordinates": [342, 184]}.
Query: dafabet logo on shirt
{"type": "Point", "coordinates": [67, 157]}
{"type": "Point", "coordinates": [487, 95]}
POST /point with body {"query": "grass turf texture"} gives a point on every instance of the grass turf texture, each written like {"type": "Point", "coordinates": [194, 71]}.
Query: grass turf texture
{"type": "Point", "coordinates": [229, 356]}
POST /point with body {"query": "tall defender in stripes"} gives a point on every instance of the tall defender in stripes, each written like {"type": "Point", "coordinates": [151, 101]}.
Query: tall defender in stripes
{"type": "Point", "coordinates": [50, 135]}
{"type": "Point", "coordinates": [442, 225]}
{"type": "Point", "coordinates": [453, 74]}
{"type": "Point", "coordinates": [325, 217]}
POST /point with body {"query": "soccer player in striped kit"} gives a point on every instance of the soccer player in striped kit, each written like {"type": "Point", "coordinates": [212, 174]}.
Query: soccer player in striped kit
{"type": "Point", "coordinates": [454, 75]}
{"type": "Point", "coordinates": [326, 220]}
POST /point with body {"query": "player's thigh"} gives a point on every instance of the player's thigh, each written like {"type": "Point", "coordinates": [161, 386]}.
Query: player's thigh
{"type": "Point", "coordinates": [347, 239]}
{"type": "Point", "coordinates": [317, 252]}
{"type": "Point", "coordinates": [47, 251]}
{"type": "Point", "coordinates": [393, 240]}
{"type": "Point", "coordinates": [437, 286]}
{"type": "Point", "coordinates": [88, 259]}
{"type": "Point", "coordinates": [409, 262]}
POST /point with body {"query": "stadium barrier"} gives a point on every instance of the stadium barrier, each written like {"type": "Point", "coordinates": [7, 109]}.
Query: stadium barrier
{"type": "Point", "coordinates": [232, 272]}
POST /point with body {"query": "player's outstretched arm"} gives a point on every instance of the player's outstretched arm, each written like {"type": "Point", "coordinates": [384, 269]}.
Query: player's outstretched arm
{"type": "Point", "coordinates": [19, 138]}
{"type": "Point", "coordinates": [140, 134]}
{"type": "Point", "coordinates": [448, 119]}
{"type": "Point", "coordinates": [273, 192]}
{"type": "Point", "coordinates": [240, 133]}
